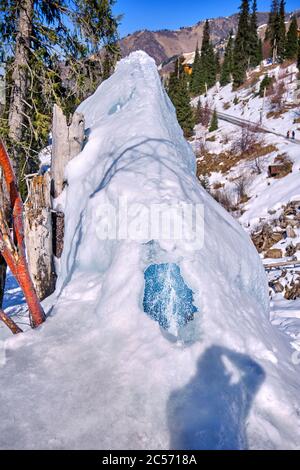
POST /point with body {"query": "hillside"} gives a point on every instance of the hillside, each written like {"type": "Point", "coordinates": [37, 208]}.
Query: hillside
{"type": "Point", "coordinates": [234, 162]}
{"type": "Point", "coordinates": [162, 45]}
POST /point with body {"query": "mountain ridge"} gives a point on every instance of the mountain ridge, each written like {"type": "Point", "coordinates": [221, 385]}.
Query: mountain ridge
{"type": "Point", "coordinates": [166, 43]}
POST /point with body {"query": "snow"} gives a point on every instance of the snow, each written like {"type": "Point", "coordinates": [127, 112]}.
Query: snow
{"type": "Point", "coordinates": [267, 196]}
{"type": "Point", "coordinates": [101, 373]}
{"type": "Point", "coordinates": [266, 193]}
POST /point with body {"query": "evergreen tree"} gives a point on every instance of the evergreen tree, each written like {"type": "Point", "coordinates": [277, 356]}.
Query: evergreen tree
{"type": "Point", "coordinates": [254, 42]}
{"type": "Point", "coordinates": [266, 83]}
{"type": "Point", "coordinates": [241, 53]}
{"type": "Point", "coordinates": [179, 94]}
{"type": "Point", "coordinates": [197, 83]}
{"type": "Point", "coordinates": [276, 33]}
{"type": "Point", "coordinates": [281, 40]}
{"type": "Point", "coordinates": [292, 40]}
{"type": "Point", "coordinates": [260, 54]}
{"type": "Point", "coordinates": [208, 61]}
{"type": "Point", "coordinates": [218, 63]}
{"type": "Point", "coordinates": [51, 52]}
{"type": "Point", "coordinates": [214, 122]}
{"type": "Point", "coordinates": [199, 112]}
{"type": "Point", "coordinates": [298, 57]}
{"type": "Point", "coordinates": [227, 66]}
{"type": "Point", "coordinates": [271, 27]}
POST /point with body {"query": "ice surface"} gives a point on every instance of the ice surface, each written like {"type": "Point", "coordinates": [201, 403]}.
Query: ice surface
{"type": "Point", "coordinates": [100, 373]}
{"type": "Point", "coordinates": [167, 299]}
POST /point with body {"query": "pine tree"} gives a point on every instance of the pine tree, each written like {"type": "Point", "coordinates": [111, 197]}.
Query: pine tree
{"type": "Point", "coordinates": [260, 54]}
{"type": "Point", "coordinates": [218, 63]}
{"type": "Point", "coordinates": [197, 83]}
{"type": "Point", "coordinates": [271, 27]}
{"type": "Point", "coordinates": [199, 112]}
{"type": "Point", "coordinates": [292, 40]}
{"type": "Point", "coordinates": [254, 42]}
{"type": "Point", "coordinates": [208, 61]}
{"type": "Point", "coordinates": [51, 52]}
{"type": "Point", "coordinates": [227, 65]}
{"type": "Point", "coordinates": [281, 40]}
{"type": "Point", "coordinates": [214, 122]}
{"type": "Point", "coordinates": [241, 51]}
{"type": "Point", "coordinates": [276, 33]}
{"type": "Point", "coordinates": [179, 94]}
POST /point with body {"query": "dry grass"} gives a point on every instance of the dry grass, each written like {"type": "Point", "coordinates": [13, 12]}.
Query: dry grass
{"type": "Point", "coordinates": [208, 162]}
{"type": "Point", "coordinates": [286, 163]}
{"type": "Point", "coordinates": [217, 186]}
{"type": "Point", "coordinates": [284, 108]}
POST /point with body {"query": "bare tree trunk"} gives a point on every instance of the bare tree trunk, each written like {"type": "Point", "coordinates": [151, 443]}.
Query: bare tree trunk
{"type": "Point", "coordinates": [20, 74]}
{"type": "Point", "coordinates": [4, 204]}
{"type": "Point", "coordinates": [67, 142]}
{"type": "Point", "coordinates": [14, 328]}
{"type": "Point", "coordinates": [12, 245]}
{"type": "Point", "coordinates": [2, 278]}
{"type": "Point", "coordinates": [38, 235]}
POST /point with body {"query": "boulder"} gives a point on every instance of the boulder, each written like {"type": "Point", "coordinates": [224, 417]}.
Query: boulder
{"type": "Point", "coordinates": [290, 232]}
{"type": "Point", "coordinates": [276, 286]}
{"type": "Point", "coordinates": [290, 250]}
{"type": "Point", "coordinates": [293, 292]}
{"type": "Point", "coordinates": [266, 238]}
{"type": "Point", "coordinates": [274, 253]}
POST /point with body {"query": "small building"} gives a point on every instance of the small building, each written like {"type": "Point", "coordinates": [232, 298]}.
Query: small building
{"type": "Point", "coordinates": [188, 62]}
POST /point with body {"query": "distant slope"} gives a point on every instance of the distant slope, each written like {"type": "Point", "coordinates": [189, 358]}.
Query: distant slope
{"type": "Point", "coordinates": [161, 45]}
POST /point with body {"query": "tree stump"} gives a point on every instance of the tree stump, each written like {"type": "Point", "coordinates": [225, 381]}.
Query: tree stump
{"type": "Point", "coordinates": [38, 235]}
{"type": "Point", "coordinates": [67, 142]}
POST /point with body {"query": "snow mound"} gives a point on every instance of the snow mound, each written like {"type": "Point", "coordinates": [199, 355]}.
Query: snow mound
{"type": "Point", "coordinates": [102, 373]}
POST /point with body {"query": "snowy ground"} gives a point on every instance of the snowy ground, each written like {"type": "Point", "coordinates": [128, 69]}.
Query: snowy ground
{"type": "Point", "coordinates": [266, 195]}
{"type": "Point", "coordinates": [101, 373]}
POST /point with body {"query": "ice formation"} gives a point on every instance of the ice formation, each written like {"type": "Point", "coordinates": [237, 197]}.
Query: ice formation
{"type": "Point", "coordinates": [100, 373]}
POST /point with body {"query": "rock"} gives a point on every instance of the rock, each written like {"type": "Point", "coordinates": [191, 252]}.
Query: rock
{"type": "Point", "coordinates": [278, 287]}
{"type": "Point", "coordinates": [290, 250]}
{"type": "Point", "coordinates": [290, 232]}
{"type": "Point", "coordinates": [266, 238]}
{"type": "Point", "coordinates": [293, 292]}
{"type": "Point", "coordinates": [274, 253]}
{"type": "Point", "coordinates": [293, 222]}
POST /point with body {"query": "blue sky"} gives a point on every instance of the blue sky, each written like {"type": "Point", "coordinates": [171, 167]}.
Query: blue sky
{"type": "Point", "coordinates": [171, 14]}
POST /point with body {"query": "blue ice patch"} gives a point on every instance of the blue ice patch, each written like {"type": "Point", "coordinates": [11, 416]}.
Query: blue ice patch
{"type": "Point", "coordinates": [167, 299]}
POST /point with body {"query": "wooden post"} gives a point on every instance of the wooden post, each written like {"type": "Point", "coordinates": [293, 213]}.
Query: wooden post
{"type": "Point", "coordinates": [67, 142]}
{"type": "Point", "coordinates": [38, 235]}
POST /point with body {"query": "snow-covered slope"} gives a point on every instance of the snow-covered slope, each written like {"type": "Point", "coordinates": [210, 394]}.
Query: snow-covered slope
{"type": "Point", "coordinates": [101, 373]}
{"type": "Point", "coordinates": [265, 197]}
